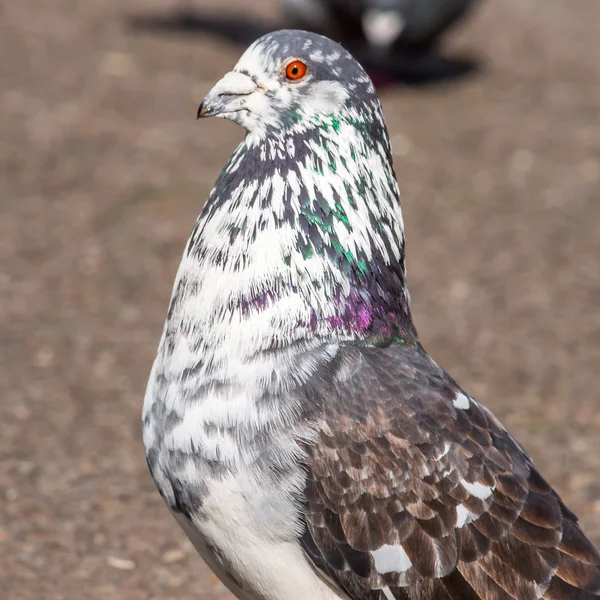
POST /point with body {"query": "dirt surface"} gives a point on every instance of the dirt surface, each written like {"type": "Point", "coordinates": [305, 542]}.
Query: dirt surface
{"type": "Point", "coordinates": [103, 171]}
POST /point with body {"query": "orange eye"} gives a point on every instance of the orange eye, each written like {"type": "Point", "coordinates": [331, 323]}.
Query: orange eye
{"type": "Point", "coordinates": [295, 70]}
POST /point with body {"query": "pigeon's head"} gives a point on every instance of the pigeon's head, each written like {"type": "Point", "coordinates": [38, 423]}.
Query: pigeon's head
{"type": "Point", "coordinates": [306, 212]}
{"type": "Point", "coordinates": [286, 80]}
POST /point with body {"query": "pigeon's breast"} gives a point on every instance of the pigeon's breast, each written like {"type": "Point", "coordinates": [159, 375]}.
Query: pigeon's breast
{"type": "Point", "coordinates": [229, 461]}
{"type": "Point", "coordinates": [199, 429]}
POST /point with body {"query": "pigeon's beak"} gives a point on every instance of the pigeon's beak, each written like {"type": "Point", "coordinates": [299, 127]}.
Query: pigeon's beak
{"type": "Point", "coordinates": [229, 95]}
{"type": "Point", "coordinates": [382, 27]}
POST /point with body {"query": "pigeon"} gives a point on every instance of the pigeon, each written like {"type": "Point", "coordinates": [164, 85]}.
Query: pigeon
{"type": "Point", "coordinates": [293, 423]}
{"type": "Point", "coordinates": [384, 24]}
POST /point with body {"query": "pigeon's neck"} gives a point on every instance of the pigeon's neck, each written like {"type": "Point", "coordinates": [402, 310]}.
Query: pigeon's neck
{"type": "Point", "coordinates": [300, 240]}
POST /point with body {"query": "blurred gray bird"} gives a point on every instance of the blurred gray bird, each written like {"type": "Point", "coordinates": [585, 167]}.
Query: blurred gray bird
{"type": "Point", "coordinates": [383, 24]}
{"type": "Point", "coordinates": [293, 423]}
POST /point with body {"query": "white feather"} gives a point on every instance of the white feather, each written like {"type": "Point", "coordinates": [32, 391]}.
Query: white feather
{"type": "Point", "coordinates": [461, 401]}
{"type": "Point", "coordinates": [391, 559]}
{"type": "Point", "coordinates": [477, 489]}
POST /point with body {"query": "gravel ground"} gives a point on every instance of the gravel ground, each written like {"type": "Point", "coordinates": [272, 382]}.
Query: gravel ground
{"type": "Point", "coordinates": [103, 171]}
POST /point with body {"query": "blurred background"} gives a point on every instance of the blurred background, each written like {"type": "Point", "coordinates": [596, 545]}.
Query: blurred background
{"type": "Point", "coordinates": [103, 170]}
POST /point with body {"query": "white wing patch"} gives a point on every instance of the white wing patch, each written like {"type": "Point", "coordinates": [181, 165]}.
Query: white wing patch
{"type": "Point", "coordinates": [391, 559]}
{"type": "Point", "coordinates": [461, 401]}
{"type": "Point", "coordinates": [477, 489]}
{"type": "Point", "coordinates": [463, 516]}
{"type": "Point", "coordinates": [447, 446]}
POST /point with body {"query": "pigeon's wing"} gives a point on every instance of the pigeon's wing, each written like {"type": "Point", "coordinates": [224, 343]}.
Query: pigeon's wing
{"type": "Point", "coordinates": [416, 492]}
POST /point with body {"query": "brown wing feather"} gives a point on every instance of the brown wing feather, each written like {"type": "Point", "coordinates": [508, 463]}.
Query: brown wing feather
{"type": "Point", "coordinates": [410, 496]}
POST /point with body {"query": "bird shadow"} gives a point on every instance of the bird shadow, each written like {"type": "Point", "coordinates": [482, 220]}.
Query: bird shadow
{"type": "Point", "coordinates": [410, 69]}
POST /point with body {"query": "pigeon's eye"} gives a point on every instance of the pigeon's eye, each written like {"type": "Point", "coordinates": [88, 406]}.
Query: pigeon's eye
{"type": "Point", "coordinates": [295, 70]}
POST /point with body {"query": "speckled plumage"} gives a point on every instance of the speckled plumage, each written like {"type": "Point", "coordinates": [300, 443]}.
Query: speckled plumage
{"type": "Point", "coordinates": [300, 434]}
